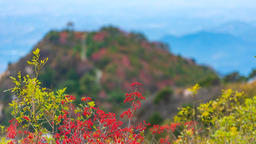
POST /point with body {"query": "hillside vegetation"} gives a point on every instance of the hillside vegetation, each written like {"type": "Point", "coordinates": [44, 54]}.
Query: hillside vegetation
{"type": "Point", "coordinates": [102, 65]}
{"type": "Point", "coordinates": [41, 115]}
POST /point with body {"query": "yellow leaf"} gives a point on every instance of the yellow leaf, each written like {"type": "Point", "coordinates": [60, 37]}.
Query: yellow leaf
{"type": "Point", "coordinates": [91, 103]}
{"type": "Point", "coordinates": [194, 89]}
{"type": "Point", "coordinates": [205, 114]}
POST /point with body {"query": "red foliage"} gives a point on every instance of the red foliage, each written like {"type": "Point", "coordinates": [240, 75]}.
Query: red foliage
{"type": "Point", "coordinates": [78, 35]}
{"type": "Point", "coordinates": [63, 37]}
{"type": "Point", "coordinates": [99, 37]}
{"type": "Point", "coordinates": [164, 141]}
{"type": "Point", "coordinates": [86, 99]}
{"type": "Point", "coordinates": [12, 131]}
{"type": "Point", "coordinates": [121, 72]}
{"type": "Point", "coordinates": [146, 45]}
{"type": "Point", "coordinates": [171, 127]}
{"type": "Point", "coordinates": [102, 94]}
{"type": "Point", "coordinates": [97, 56]}
{"type": "Point", "coordinates": [164, 83]}
{"type": "Point", "coordinates": [190, 125]}
{"type": "Point", "coordinates": [70, 97]}
{"type": "Point", "coordinates": [93, 125]}
{"type": "Point", "coordinates": [126, 62]}
{"type": "Point", "coordinates": [145, 76]}
{"type": "Point", "coordinates": [72, 130]}
{"type": "Point", "coordinates": [25, 117]}
{"type": "Point", "coordinates": [127, 86]}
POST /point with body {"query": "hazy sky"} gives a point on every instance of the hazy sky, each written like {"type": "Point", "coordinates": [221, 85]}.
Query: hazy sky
{"type": "Point", "coordinates": [24, 22]}
{"type": "Point", "coordinates": [225, 9]}
{"type": "Point", "coordinates": [175, 16]}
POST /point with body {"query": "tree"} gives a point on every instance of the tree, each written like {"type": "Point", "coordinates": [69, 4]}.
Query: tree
{"type": "Point", "coordinates": [234, 77]}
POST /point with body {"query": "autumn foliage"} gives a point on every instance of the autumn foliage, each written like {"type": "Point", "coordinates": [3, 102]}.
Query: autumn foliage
{"type": "Point", "coordinates": [41, 115]}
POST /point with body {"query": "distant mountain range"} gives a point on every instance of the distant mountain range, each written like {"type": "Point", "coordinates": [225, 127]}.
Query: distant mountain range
{"type": "Point", "coordinates": [246, 31]}
{"type": "Point", "coordinates": [228, 47]}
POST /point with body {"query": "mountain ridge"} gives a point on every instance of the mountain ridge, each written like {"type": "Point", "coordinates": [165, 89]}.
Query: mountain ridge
{"type": "Point", "coordinates": [114, 59]}
{"type": "Point", "coordinates": [215, 49]}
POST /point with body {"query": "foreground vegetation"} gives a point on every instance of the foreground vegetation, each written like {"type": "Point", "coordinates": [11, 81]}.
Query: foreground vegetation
{"type": "Point", "coordinates": [41, 115]}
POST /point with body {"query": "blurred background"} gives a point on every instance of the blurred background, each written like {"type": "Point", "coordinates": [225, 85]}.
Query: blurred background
{"type": "Point", "coordinates": [97, 48]}
{"type": "Point", "coordinates": [206, 30]}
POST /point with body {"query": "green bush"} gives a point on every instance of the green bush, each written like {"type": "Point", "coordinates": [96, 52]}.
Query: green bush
{"type": "Point", "coordinates": [234, 77]}
{"type": "Point", "coordinates": [155, 119]}
{"type": "Point", "coordinates": [47, 77]}
{"type": "Point", "coordinates": [54, 37]}
{"type": "Point", "coordinates": [210, 81]}
{"type": "Point", "coordinates": [88, 84]}
{"type": "Point", "coordinates": [163, 94]}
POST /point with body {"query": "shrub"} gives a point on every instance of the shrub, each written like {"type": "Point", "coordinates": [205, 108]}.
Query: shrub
{"type": "Point", "coordinates": [210, 81]}
{"type": "Point", "coordinates": [39, 112]}
{"type": "Point", "coordinates": [163, 94]}
{"type": "Point", "coordinates": [155, 119]}
{"type": "Point", "coordinates": [47, 76]}
{"type": "Point", "coordinates": [54, 37]}
{"type": "Point", "coordinates": [234, 77]}
{"type": "Point", "coordinates": [88, 83]}
{"type": "Point", "coordinates": [44, 116]}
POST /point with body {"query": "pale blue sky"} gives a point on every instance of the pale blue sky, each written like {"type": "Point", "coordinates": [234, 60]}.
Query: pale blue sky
{"type": "Point", "coordinates": [24, 22]}
{"type": "Point", "coordinates": [149, 16]}
{"type": "Point", "coordinates": [227, 9]}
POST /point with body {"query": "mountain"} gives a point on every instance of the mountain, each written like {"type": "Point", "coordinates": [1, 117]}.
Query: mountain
{"type": "Point", "coordinates": [244, 30]}
{"type": "Point", "coordinates": [233, 27]}
{"type": "Point", "coordinates": [103, 64]}
{"type": "Point", "coordinates": [225, 52]}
